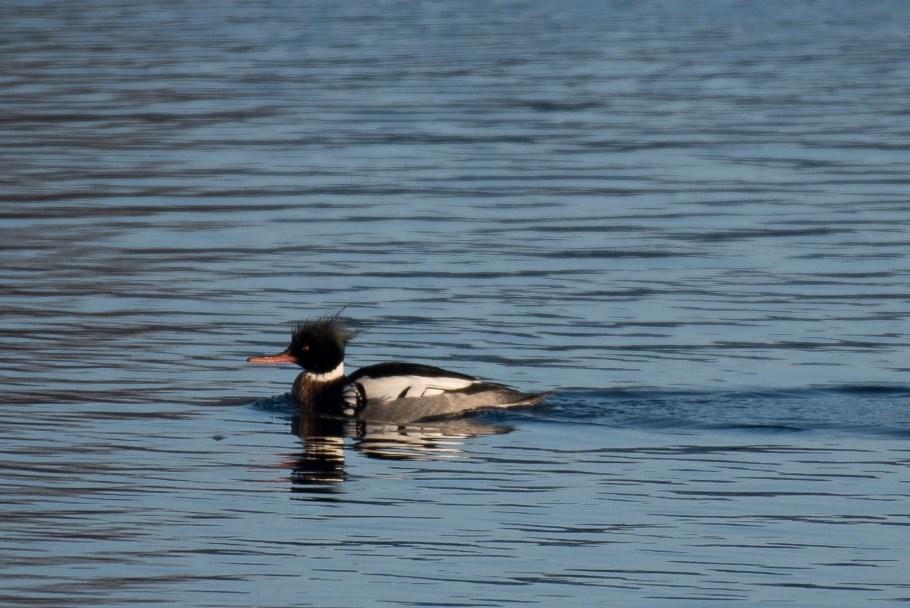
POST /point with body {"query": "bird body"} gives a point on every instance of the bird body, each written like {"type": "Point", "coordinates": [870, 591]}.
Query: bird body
{"type": "Point", "coordinates": [385, 392]}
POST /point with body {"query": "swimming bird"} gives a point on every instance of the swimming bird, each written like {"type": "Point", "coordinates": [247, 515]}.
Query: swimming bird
{"type": "Point", "coordinates": [385, 392]}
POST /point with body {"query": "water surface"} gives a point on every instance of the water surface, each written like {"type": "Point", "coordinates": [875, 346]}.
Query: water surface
{"type": "Point", "coordinates": [691, 220]}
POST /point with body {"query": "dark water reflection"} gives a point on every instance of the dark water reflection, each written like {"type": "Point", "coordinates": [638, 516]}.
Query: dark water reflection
{"type": "Point", "coordinates": [692, 218]}
{"type": "Point", "coordinates": [322, 459]}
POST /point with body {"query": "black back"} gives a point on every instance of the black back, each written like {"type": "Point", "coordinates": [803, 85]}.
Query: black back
{"type": "Point", "coordinates": [397, 368]}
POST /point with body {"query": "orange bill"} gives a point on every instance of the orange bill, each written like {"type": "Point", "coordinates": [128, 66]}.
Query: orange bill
{"type": "Point", "coordinates": [282, 357]}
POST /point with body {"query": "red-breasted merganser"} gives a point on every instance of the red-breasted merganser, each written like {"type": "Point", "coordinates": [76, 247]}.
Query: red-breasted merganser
{"type": "Point", "coordinates": [391, 392]}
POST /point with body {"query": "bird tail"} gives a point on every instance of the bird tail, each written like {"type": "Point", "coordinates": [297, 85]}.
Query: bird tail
{"type": "Point", "coordinates": [526, 400]}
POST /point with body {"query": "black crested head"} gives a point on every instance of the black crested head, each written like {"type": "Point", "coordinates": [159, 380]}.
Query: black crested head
{"type": "Point", "coordinates": [318, 344]}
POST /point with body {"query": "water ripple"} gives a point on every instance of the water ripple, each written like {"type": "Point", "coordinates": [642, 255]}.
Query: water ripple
{"type": "Point", "coordinates": [690, 221]}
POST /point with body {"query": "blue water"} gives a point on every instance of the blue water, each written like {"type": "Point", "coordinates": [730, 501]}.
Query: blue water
{"type": "Point", "coordinates": [690, 220]}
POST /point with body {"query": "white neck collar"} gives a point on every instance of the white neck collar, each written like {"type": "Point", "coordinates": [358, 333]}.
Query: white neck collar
{"type": "Point", "coordinates": [329, 376]}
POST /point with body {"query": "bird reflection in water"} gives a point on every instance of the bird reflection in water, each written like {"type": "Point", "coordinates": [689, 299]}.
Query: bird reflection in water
{"type": "Point", "coordinates": [322, 461]}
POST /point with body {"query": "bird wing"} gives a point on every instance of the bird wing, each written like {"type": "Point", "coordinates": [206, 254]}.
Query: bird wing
{"type": "Point", "coordinates": [390, 381]}
{"type": "Point", "coordinates": [400, 387]}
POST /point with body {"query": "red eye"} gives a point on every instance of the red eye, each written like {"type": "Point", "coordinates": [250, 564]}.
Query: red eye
{"type": "Point", "coordinates": [306, 347]}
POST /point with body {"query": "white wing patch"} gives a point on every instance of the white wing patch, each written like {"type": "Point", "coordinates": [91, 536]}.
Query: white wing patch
{"type": "Point", "coordinates": [394, 387]}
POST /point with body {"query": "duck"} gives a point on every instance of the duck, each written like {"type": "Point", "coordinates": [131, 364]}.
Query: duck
{"type": "Point", "coordinates": [390, 392]}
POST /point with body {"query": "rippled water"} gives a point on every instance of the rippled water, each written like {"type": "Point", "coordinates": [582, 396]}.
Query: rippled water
{"type": "Point", "coordinates": [691, 219]}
